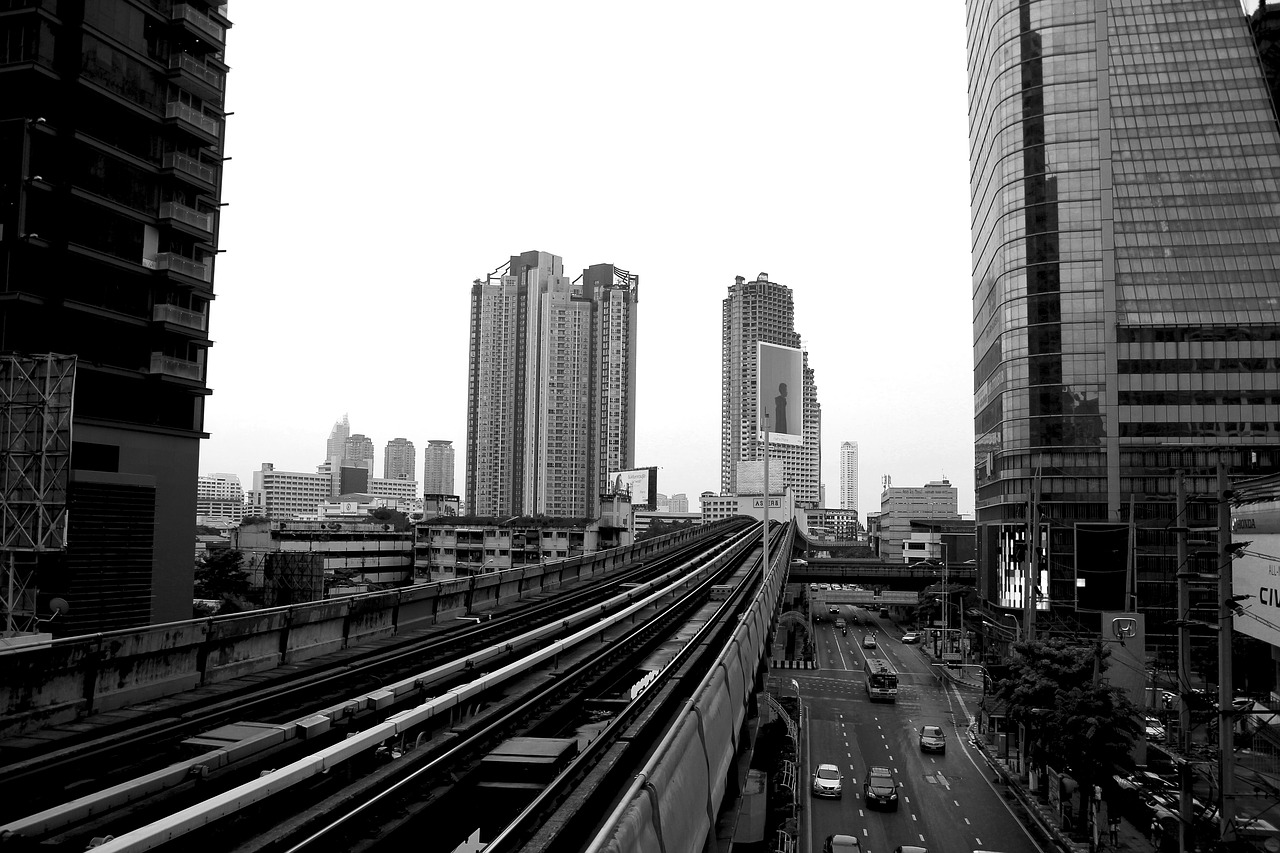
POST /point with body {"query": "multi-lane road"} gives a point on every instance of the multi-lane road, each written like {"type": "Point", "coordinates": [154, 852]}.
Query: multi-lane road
{"type": "Point", "coordinates": [947, 802]}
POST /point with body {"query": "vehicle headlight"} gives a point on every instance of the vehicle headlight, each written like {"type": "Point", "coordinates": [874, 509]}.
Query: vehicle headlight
{"type": "Point", "coordinates": [893, 796]}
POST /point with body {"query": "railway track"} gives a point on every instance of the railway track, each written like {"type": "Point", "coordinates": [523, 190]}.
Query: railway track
{"type": "Point", "coordinates": [466, 685]}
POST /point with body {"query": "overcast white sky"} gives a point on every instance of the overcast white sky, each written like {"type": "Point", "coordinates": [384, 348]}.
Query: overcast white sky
{"type": "Point", "coordinates": [381, 162]}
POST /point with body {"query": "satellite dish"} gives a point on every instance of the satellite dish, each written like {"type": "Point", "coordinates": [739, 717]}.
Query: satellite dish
{"type": "Point", "coordinates": [59, 605]}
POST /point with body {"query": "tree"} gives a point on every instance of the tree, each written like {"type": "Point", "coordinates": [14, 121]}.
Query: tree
{"type": "Point", "coordinates": [253, 519]}
{"type": "Point", "coordinates": [659, 528]}
{"type": "Point", "coordinates": [1078, 723]}
{"type": "Point", "coordinates": [219, 574]}
{"type": "Point", "coordinates": [398, 520]}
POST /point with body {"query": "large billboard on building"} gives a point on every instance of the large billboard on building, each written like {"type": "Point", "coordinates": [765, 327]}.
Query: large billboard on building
{"type": "Point", "coordinates": [640, 483]}
{"type": "Point", "coordinates": [780, 393]}
{"type": "Point", "coordinates": [1255, 570]}
{"type": "Point", "coordinates": [1102, 566]}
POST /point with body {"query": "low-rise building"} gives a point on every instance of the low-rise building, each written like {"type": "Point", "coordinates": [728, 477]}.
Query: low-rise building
{"type": "Point", "coordinates": [643, 519]}
{"type": "Point", "coordinates": [219, 497]}
{"type": "Point", "coordinates": [296, 560]}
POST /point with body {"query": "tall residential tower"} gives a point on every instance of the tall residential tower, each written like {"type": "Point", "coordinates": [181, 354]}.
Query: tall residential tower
{"type": "Point", "coordinates": [1125, 175]}
{"type": "Point", "coordinates": [550, 392]}
{"type": "Point", "coordinates": [400, 460]}
{"type": "Point", "coordinates": [111, 152]}
{"type": "Point", "coordinates": [437, 468]}
{"type": "Point", "coordinates": [849, 475]}
{"type": "Point", "coordinates": [756, 311]}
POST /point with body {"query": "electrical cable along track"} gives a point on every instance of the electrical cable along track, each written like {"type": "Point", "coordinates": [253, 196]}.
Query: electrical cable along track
{"type": "Point", "coordinates": [456, 685]}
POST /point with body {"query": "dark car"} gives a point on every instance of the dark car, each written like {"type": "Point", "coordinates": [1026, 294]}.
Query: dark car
{"type": "Point", "coordinates": [869, 641]}
{"type": "Point", "coordinates": [841, 844]}
{"type": "Point", "coordinates": [880, 790]}
{"type": "Point", "coordinates": [933, 739]}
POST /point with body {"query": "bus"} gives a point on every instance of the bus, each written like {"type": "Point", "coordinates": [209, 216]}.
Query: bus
{"type": "Point", "coordinates": [882, 680]}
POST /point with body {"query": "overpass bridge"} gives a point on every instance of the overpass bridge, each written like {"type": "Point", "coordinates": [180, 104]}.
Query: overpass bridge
{"type": "Point", "coordinates": [899, 576]}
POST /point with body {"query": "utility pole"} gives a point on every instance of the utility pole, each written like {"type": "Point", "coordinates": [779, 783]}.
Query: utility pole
{"type": "Point", "coordinates": [1182, 523]}
{"type": "Point", "coordinates": [764, 539]}
{"type": "Point", "coordinates": [1226, 719]}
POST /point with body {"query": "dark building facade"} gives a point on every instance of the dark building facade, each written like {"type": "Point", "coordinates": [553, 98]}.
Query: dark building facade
{"type": "Point", "coordinates": [111, 140]}
{"type": "Point", "coordinates": [1125, 189]}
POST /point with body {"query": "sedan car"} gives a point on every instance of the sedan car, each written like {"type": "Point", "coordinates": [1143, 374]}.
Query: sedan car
{"type": "Point", "coordinates": [910, 848]}
{"type": "Point", "coordinates": [911, 637]}
{"type": "Point", "coordinates": [880, 789]}
{"type": "Point", "coordinates": [827, 782]}
{"type": "Point", "coordinates": [869, 641]}
{"type": "Point", "coordinates": [841, 844]}
{"type": "Point", "coordinates": [933, 739]}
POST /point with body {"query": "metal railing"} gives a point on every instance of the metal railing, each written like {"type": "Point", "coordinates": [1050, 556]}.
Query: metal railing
{"type": "Point", "coordinates": [199, 21]}
{"type": "Point", "coordinates": [192, 116]}
{"type": "Point", "coordinates": [178, 263]}
{"type": "Point", "coordinates": [170, 366]}
{"type": "Point", "coordinates": [188, 63]}
{"type": "Point", "coordinates": [184, 317]}
{"type": "Point", "coordinates": [182, 213]}
{"type": "Point", "coordinates": [190, 165]}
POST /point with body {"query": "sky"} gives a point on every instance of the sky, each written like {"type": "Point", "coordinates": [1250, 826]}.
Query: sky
{"type": "Point", "coordinates": [382, 162]}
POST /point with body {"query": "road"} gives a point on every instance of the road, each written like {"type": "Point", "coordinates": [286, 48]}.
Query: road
{"type": "Point", "coordinates": [947, 802]}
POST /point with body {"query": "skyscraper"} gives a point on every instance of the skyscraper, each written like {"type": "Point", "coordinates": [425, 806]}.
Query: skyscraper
{"type": "Point", "coordinates": [1125, 183]}
{"type": "Point", "coordinates": [550, 394]}
{"type": "Point", "coordinates": [336, 446]}
{"type": "Point", "coordinates": [437, 468]}
{"type": "Point", "coordinates": [111, 141]}
{"type": "Point", "coordinates": [849, 475]}
{"type": "Point", "coordinates": [400, 460]}
{"type": "Point", "coordinates": [756, 311]}
{"type": "Point", "coordinates": [358, 452]}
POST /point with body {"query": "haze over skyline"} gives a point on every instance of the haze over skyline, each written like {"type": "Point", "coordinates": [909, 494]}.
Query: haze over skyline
{"type": "Point", "coordinates": [802, 143]}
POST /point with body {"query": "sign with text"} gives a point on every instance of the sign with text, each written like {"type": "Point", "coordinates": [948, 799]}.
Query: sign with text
{"type": "Point", "coordinates": [1255, 572]}
{"type": "Point", "coordinates": [774, 503]}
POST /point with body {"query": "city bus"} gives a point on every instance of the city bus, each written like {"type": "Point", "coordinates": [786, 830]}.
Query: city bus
{"type": "Point", "coordinates": [882, 680]}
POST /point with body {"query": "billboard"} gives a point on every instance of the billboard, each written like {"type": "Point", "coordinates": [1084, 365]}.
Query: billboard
{"type": "Point", "coordinates": [640, 483]}
{"type": "Point", "coordinates": [1255, 572]}
{"type": "Point", "coordinates": [780, 393]}
{"type": "Point", "coordinates": [1102, 566]}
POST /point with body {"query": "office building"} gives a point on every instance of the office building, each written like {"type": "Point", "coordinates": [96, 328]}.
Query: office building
{"type": "Point", "coordinates": [400, 460]}
{"type": "Point", "coordinates": [358, 452]}
{"type": "Point", "coordinates": [111, 141]}
{"type": "Point", "coordinates": [437, 468]}
{"type": "Point", "coordinates": [1125, 168]}
{"type": "Point", "coordinates": [281, 495]}
{"type": "Point", "coordinates": [336, 446]}
{"type": "Point", "coordinates": [678, 503]}
{"type": "Point", "coordinates": [219, 497]}
{"type": "Point", "coordinates": [756, 311]}
{"type": "Point", "coordinates": [900, 506]}
{"type": "Point", "coordinates": [550, 392]}
{"type": "Point", "coordinates": [849, 476]}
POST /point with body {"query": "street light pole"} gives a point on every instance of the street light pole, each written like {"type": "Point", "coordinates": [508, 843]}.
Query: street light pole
{"type": "Point", "coordinates": [765, 534]}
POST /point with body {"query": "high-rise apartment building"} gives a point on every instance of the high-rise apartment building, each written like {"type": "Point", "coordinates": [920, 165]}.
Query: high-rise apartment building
{"type": "Point", "coordinates": [1125, 168]}
{"type": "Point", "coordinates": [336, 447]}
{"type": "Point", "coordinates": [755, 311]}
{"type": "Point", "coordinates": [219, 497]}
{"type": "Point", "coordinates": [550, 393]}
{"type": "Point", "coordinates": [678, 503]}
{"type": "Point", "coordinates": [437, 468]}
{"type": "Point", "coordinates": [849, 475]}
{"type": "Point", "coordinates": [400, 460]}
{"type": "Point", "coordinates": [111, 141]}
{"type": "Point", "coordinates": [358, 452]}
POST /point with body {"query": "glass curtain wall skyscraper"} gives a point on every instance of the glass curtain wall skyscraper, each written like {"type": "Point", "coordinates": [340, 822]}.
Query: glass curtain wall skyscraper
{"type": "Point", "coordinates": [755, 311]}
{"type": "Point", "coordinates": [1125, 188]}
{"type": "Point", "coordinates": [550, 393]}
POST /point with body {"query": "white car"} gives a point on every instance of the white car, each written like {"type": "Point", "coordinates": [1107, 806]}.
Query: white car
{"type": "Point", "coordinates": [828, 782]}
{"type": "Point", "coordinates": [911, 637]}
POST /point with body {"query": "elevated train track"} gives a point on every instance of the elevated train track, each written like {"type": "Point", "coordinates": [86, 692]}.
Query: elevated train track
{"type": "Point", "coordinates": [428, 724]}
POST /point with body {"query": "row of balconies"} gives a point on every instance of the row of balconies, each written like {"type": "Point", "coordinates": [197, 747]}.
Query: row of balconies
{"type": "Point", "coordinates": [178, 212]}
{"type": "Point", "coordinates": [206, 128]}
{"type": "Point", "coordinates": [174, 262]}
{"type": "Point", "coordinates": [199, 24]}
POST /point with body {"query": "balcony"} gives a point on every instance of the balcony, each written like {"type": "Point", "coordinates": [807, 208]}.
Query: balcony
{"type": "Point", "coordinates": [193, 121]}
{"type": "Point", "coordinates": [166, 365]}
{"type": "Point", "coordinates": [205, 176]}
{"type": "Point", "coordinates": [196, 77]}
{"type": "Point", "coordinates": [183, 317]}
{"type": "Point", "coordinates": [176, 212]}
{"type": "Point", "coordinates": [199, 24]}
{"type": "Point", "coordinates": [173, 262]}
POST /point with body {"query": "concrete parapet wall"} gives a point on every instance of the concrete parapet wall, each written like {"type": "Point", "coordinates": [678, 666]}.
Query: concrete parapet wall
{"type": "Point", "coordinates": [76, 676]}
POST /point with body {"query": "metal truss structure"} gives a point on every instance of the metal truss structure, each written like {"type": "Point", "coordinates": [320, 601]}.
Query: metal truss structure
{"type": "Point", "coordinates": [36, 397]}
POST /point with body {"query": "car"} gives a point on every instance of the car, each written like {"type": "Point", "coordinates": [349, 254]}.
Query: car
{"type": "Point", "coordinates": [910, 848]}
{"type": "Point", "coordinates": [813, 587]}
{"type": "Point", "coordinates": [879, 789]}
{"type": "Point", "coordinates": [833, 609]}
{"type": "Point", "coordinates": [841, 844]}
{"type": "Point", "coordinates": [1154, 729]}
{"type": "Point", "coordinates": [869, 641]}
{"type": "Point", "coordinates": [933, 739]}
{"type": "Point", "coordinates": [911, 637]}
{"type": "Point", "coordinates": [827, 781]}
{"type": "Point", "coordinates": [884, 614]}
